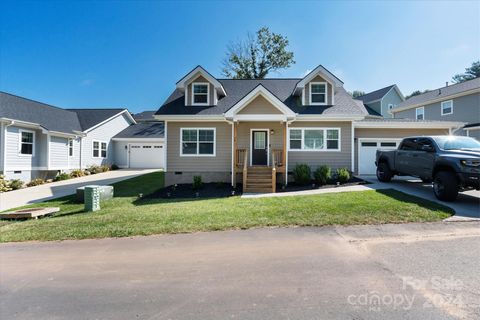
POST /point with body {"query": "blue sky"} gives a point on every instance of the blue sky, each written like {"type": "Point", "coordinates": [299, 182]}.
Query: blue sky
{"type": "Point", "coordinates": [130, 54]}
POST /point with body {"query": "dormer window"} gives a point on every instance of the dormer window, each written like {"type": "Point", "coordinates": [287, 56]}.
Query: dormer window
{"type": "Point", "coordinates": [200, 94]}
{"type": "Point", "coordinates": [318, 93]}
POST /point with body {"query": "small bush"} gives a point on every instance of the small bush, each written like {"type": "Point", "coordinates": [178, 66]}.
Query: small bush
{"type": "Point", "coordinates": [302, 174]}
{"type": "Point", "coordinates": [114, 167]}
{"type": "Point", "coordinates": [77, 173]}
{"type": "Point", "coordinates": [94, 169]}
{"type": "Point", "coordinates": [104, 168]}
{"type": "Point", "coordinates": [343, 175]}
{"type": "Point", "coordinates": [322, 174]}
{"type": "Point", "coordinates": [35, 182]}
{"type": "Point", "coordinates": [197, 182]}
{"type": "Point", "coordinates": [16, 184]}
{"type": "Point", "coordinates": [62, 176]}
{"type": "Point", "coordinates": [4, 185]}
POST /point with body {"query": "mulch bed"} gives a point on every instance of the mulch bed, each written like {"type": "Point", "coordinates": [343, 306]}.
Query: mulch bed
{"type": "Point", "coordinates": [185, 191]}
{"type": "Point", "coordinates": [354, 181]}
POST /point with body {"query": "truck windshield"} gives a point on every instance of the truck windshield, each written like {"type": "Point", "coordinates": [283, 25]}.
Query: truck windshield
{"type": "Point", "coordinates": [456, 143]}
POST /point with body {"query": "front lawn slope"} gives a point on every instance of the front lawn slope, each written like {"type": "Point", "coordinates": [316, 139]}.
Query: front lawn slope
{"type": "Point", "coordinates": [126, 215]}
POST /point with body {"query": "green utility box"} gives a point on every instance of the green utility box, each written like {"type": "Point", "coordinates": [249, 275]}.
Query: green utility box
{"type": "Point", "coordinates": [92, 198]}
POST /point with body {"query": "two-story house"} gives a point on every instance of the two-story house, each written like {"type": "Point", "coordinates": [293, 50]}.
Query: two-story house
{"type": "Point", "coordinates": [256, 131]}
{"type": "Point", "coordinates": [457, 102]}
{"type": "Point", "coordinates": [381, 102]}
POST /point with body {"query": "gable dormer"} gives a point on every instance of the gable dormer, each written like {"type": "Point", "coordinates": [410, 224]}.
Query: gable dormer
{"type": "Point", "coordinates": [318, 88]}
{"type": "Point", "coordinates": [200, 88]}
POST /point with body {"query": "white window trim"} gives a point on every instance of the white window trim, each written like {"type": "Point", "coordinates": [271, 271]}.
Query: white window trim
{"type": "Point", "coordinates": [417, 113]}
{"type": "Point", "coordinates": [441, 107]}
{"type": "Point", "coordinates": [198, 144]}
{"type": "Point", "coordinates": [326, 94]}
{"type": "Point", "coordinates": [20, 131]}
{"type": "Point", "coordinates": [73, 148]}
{"type": "Point", "coordinates": [339, 149]}
{"type": "Point", "coordinates": [208, 93]}
{"type": "Point", "coordinates": [100, 149]}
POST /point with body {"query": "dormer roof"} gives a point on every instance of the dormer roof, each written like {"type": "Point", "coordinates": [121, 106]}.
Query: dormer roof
{"type": "Point", "coordinates": [199, 70]}
{"type": "Point", "coordinates": [320, 70]}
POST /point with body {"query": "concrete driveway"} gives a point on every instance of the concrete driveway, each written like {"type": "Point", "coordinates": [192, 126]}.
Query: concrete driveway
{"type": "Point", "coordinates": [466, 206]}
{"type": "Point", "coordinates": [17, 198]}
{"type": "Point", "coordinates": [410, 271]}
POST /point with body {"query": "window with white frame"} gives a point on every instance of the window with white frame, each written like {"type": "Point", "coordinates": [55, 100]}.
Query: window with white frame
{"type": "Point", "coordinates": [318, 93]}
{"type": "Point", "coordinates": [99, 149]}
{"type": "Point", "coordinates": [314, 139]}
{"type": "Point", "coordinates": [420, 113]}
{"type": "Point", "coordinates": [447, 107]}
{"type": "Point", "coordinates": [27, 141]}
{"type": "Point", "coordinates": [70, 147]}
{"type": "Point", "coordinates": [197, 142]}
{"type": "Point", "coordinates": [200, 93]}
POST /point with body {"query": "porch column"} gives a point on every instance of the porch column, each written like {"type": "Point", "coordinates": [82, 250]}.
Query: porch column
{"type": "Point", "coordinates": [234, 153]}
{"type": "Point", "coordinates": [285, 152]}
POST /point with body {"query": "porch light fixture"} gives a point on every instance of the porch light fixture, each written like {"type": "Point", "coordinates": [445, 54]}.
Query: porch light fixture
{"type": "Point", "coordinates": [272, 132]}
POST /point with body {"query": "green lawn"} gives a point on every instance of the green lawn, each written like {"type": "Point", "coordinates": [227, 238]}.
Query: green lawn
{"type": "Point", "coordinates": [125, 215]}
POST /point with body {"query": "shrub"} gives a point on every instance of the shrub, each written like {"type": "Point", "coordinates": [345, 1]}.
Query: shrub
{"type": "Point", "coordinates": [197, 182]}
{"type": "Point", "coordinates": [302, 174]}
{"type": "Point", "coordinates": [93, 169]}
{"type": "Point", "coordinates": [35, 182]}
{"type": "Point", "coordinates": [15, 184]}
{"type": "Point", "coordinates": [104, 168]}
{"type": "Point", "coordinates": [4, 185]}
{"type": "Point", "coordinates": [323, 174]}
{"type": "Point", "coordinates": [343, 175]}
{"type": "Point", "coordinates": [77, 173]}
{"type": "Point", "coordinates": [114, 167]}
{"type": "Point", "coordinates": [62, 176]}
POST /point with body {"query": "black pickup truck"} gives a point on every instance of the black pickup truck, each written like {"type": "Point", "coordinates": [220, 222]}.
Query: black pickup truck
{"type": "Point", "coordinates": [451, 162]}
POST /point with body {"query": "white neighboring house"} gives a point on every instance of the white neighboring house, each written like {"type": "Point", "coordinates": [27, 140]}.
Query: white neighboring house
{"type": "Point", "coordinates": [39, 140]}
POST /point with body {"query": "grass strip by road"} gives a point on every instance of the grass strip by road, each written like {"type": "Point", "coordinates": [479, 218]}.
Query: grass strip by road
{"type": "Point", "coordinates": [126, 215]}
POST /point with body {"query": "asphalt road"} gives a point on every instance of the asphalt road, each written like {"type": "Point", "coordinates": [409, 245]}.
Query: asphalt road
{"type": "Point", "coordinates": [412, 271]}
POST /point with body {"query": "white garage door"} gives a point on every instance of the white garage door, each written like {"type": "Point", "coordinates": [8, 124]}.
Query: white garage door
{"type": "Point", "coordinates": [367, 151]}
{"type": "Point", "coordinates": [146, 155]}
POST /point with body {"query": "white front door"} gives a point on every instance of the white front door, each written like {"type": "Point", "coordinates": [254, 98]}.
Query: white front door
{"type": "Point", "coordinates": [367, 151]}
{"type": "Point", "coordinates": [146, 155]}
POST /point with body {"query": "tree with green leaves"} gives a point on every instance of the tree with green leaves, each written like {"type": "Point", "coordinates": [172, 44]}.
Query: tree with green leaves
{"type": "Point", "coordinates": [258, 55]}
{"type": "Point", "coordinates": [357, 93]}
{"type": "Point", "coordinates": [416, 93]}
{"type": "Point", "coordinates": [470, 73]}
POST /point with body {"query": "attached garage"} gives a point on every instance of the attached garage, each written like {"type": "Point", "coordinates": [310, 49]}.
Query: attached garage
{"type": "Point", "coordinates": [373, 134]}
{"type": "Point", "coordinates": [141, 146]}
{"type": "Point", "coordinates": [146, 155]}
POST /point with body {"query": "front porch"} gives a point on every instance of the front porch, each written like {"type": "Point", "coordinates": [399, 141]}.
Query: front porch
{"type": "Point", "coordinates": [260, 157]}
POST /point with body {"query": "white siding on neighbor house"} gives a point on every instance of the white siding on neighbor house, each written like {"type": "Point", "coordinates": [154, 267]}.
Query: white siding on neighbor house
{"type": "Point", "coordinates": [16, 161]}
{"type": "Point", "coordinates": [58, 153]}
{"type": "Point", "coordinates": [120, 153]}
{"type": "Point", "coordinates": [2, 147]}
{"type": "Point", "coordinates": [74, 162]}
{"type": "Point", "coordinates": [103, 133]}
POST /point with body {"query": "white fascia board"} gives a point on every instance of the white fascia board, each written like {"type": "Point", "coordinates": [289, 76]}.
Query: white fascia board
{"type": "Point", "coordinates": [308, 117]}
{"type": "Point", "coordinates": [159, 140]}
{"type": "Point", "coordinates": [472, 128]}
{"type": "Point", "coordinates": [112, 117]}
{"type": "Point", "coordinates": [444, 98]}
{"type": "Point", "coordinates": [260, 117]}
{"type": "Point", "coordinates": [190, 117]}
{"type": "Point", "coordinates": [199, 69]}
{"type": "Point", "coordinates": [62, 134]}
{"type": "Point", "coordinates": [409, 125]}
{"type": "Point", "coordinates": [259, 91]}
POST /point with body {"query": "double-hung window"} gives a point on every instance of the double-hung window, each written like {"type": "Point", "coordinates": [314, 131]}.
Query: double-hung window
{"type": "Point", "coordinates": [27, 140]}
{"type": "Point", "coordinates": [200, 94]}
{"type": "Point", "coordinates": [70, 147]}
{"type": "Point", "coordinates": [197, 142]}
{"type": "Point", "coordinates": [420, 113]}
{"type": "Point", "coordinates": [447, 107]}
{"type": "Point", "coordinates": [314, 139]}
{"type": "Point", "coordinates": [318, 93]}
{"type": "Point", "coordinates": [99, 149]}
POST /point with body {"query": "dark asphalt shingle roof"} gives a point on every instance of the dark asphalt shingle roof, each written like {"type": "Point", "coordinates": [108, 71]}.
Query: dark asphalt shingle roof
{"type": "Point", "coordinates": [439, 93]}
{"type": "Point", "coordinates": [281, 88]}
{"type": "Point", "coordinates": [375, 95]}
{"type": "Point", "coordinates": [49, 117]}
{"type": "Point", "coordinates": [91, 117]}
{"type": "Point", "coordinates": [143, 130]}
{"type": "Point", "coordinates": [145, 116]}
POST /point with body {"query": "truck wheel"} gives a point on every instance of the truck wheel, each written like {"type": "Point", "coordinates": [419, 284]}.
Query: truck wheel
{"type": "Point", "coordinates": [384, 174]}
{"type": "Point", "coordinates": [445, 186]}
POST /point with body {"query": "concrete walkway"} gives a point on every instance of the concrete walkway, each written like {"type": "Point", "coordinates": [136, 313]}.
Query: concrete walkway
{"type": "Point", "coordinates": [22, 197]}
